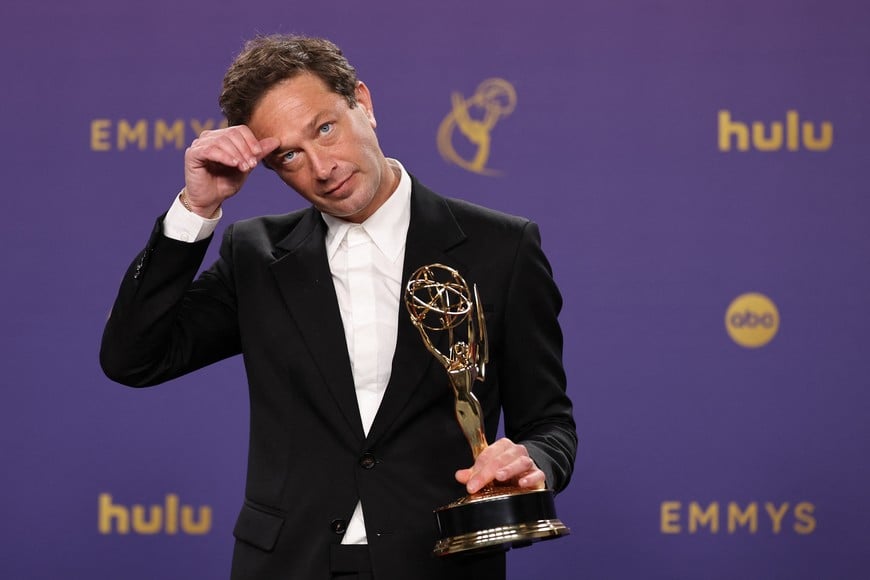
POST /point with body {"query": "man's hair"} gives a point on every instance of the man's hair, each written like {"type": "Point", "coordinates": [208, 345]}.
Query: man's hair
{"type": "Point", "coordinates": [265, 61]}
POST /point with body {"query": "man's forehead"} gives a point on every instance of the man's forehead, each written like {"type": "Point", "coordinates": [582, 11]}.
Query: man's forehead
{"type": "Point", "coordinates": [302, 85]}
{"type": "Point", "coordinates": [303, 95]}
{"type": "Point", "coordinates": [289, 111]}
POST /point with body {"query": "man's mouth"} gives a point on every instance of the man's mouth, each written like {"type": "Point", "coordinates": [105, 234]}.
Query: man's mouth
{"type": "Point", "coordinates": [338, 186]}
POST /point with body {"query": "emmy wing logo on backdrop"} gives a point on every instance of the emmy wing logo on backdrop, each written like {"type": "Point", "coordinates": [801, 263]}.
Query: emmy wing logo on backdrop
{"type": "Point", "coordinates": [475, 118]}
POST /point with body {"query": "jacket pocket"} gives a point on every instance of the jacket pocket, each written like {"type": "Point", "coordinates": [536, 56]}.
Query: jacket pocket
{"type": "Point", "coordinates": [257, 527]}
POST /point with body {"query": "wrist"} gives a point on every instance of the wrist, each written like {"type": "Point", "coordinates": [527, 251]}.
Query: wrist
{"type": "Point", "coordinates": [207, 213]}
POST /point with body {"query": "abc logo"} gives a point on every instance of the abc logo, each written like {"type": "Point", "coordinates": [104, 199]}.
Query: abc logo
{"type": "Point", "coordinates": [752, 320]}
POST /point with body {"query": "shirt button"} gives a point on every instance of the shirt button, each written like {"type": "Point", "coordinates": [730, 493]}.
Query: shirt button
{"type": "Point", "coordinates": [367, 461]}
{"type": "Point", "coordinates": [338, 526]}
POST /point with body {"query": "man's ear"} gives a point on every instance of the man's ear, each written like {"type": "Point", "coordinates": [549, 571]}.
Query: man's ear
{"type": "Point", "coordinates": [364, 101]}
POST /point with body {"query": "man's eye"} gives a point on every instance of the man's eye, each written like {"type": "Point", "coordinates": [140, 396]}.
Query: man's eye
{"type": "Point", "coordinates": [289, 156]}
{"type": "Point", "coordinates": [325, 128]}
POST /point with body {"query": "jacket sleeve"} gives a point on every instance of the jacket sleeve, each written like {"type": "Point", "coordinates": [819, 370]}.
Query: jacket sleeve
{"type": "Point", "coordinates": [537, 410]}
{"type": "Point", "coordinates": [164, 323]}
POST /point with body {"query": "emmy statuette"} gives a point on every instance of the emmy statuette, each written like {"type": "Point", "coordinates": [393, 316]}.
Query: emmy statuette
{"type": "Point", "coordinates": [498, 516]}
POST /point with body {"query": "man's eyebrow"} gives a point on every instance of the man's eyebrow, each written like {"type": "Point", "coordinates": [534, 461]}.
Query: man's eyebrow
{"type": "Point", "coordinates": [310, 127]}
{"type": "Point", "coordinates": [316, 121]}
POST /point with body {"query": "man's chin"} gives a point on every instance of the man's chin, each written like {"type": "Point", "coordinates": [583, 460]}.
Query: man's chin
{"type": "Point", "coordinates": [343, 213]}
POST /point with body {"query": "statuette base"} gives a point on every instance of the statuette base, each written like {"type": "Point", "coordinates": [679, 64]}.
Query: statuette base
{"type": "Point", "coordinates": [497, 518]}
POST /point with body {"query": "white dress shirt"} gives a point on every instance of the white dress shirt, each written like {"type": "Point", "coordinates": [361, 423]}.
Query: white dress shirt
{"type": "Point", "coordinates": [366, 263]}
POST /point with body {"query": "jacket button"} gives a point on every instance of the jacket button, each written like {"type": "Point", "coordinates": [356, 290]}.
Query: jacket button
{"type": "Point", "coordinates": [367, 461]}
{"type": "Point", "coordinates": [338, 526]}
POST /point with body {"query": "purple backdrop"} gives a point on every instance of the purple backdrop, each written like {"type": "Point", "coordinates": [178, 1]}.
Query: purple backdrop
{"type": "Point", "coordinates": [676, 154]}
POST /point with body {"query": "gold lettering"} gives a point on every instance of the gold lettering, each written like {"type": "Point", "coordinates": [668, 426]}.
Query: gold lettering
{"type": "Point", "coordinates": [803, 512]}
{"type": "Point", "coordinates": [143, 133]}
{"type": "Point", "coordinates": [192, 527]}
{"type": "Point", "coordinates": [143, 526]}
{"type": "Point", "coordinates": [772, 136]}
{"type": "Point", "coordinates": [138, 134]}
{"type": "Point", "coordinates": [762, 142]}
{"type": "Point", "coordinates": [107, 511]}
{"type": "Point", "coordinates": [699, 517]}
{"type": "Point", "coordinates": [742, 518]}
{"type": "Point", "coordinates": [171, 512]}
{"type": "Point", "coordinates": [670, 517]}
{"type": "Point", "coordinates": [727, 128]}
{"type": "Point", "coordinates": [822, 143]}
{"type": "Point", "coordinates": [152, 520]}
{"type": "Point", "coordinates": [792, 132]}
{"type": "Point", "coordinates": [209, 125]}
{"type": "Point", "coordinates": [100, 135]}
{"type": "Point", "coordinates": [776, 515]}
{"type": "Point", "coordinates": [164, 133]}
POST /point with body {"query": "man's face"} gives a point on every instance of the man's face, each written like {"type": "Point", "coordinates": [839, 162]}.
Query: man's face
{"type": "Point", "coordinates": [329, 152]}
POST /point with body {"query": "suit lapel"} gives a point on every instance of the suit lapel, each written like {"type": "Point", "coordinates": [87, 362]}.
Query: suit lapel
{"type": "Point", "coordinates": [302, 272]}
{"type": "Point", "coordinates": [432, 232]}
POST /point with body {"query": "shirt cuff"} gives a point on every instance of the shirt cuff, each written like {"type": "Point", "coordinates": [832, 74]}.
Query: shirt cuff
{"type": "Point", "coordinates": [185, 226]}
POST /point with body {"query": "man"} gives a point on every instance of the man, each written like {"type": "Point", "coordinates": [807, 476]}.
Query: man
{"type": "Point", "coordinates": [353, 438]}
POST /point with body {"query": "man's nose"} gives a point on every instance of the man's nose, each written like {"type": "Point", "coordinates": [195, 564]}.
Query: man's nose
{"type": "Point", "coordinates": [322, 164]}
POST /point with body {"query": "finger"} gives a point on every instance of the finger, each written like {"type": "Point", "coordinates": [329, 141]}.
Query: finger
{"type": "Point", "coordinates": [506, 462]}
{"type": "Point", "coordinates": [516, 468]}
{"type": "Point", "coordinates": [494, 458]}
{"type": "Point", "coordinates": [221, 151]}
{"type": "Point", "coordinates": [235, 147]}
{"type": "Point", "coordinates": [536, 479]}
{"type": "Point", "coordinates": [463, 475]}
{"type": "Point", "coordinates": [241, 140]}
{"type": "Point", "coordinates": [268, 145]}
{"type": "Point", "coordinates": [253, 149]}
{"type": "Point", "coordinates": [522, 472]}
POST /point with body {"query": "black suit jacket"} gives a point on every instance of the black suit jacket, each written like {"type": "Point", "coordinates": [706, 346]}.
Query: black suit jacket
{"type": "Point", "coordinates": [271, 298]}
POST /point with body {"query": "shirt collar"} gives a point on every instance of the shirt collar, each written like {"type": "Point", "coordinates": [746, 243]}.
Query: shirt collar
{"type": "Point", "coordinates": [387, 227]}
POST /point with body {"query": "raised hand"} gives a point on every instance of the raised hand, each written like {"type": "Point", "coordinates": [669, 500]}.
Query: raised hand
{"type": "Point", "coordinates": [217, 164]}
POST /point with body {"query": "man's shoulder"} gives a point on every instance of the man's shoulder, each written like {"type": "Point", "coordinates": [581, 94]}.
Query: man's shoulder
{"type": "Point", "coordinates": [274, 221]}
{"type": "Point", "coordinates": [468, 212]}
{"type": "Point", "coordinates": [271, 229]}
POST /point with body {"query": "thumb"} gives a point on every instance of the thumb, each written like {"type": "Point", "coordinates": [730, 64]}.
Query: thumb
{"type": "Point", "coordinates": [268, 145]}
